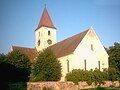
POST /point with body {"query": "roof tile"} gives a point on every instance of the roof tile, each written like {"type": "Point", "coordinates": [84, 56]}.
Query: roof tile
{"type": "Point", "coordinates": [45, 20]}
{"type": "Point", "coordinates": [30, 52]}
{"type": "Point", "coordinates": [68, 45]}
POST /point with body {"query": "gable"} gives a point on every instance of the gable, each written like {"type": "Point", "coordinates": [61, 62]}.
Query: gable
{"type": "Point", "coordinates": [91, 44]}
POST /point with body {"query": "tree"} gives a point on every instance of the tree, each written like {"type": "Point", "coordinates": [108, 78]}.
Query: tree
{"type": "Point", "coordinates": [2, 57]}
{"type": "Point", "coordinates": [46, 67]}
{"type": "Point", "coordinates": [114, 56]}
{"type": "Point", "coordinates": [114, 61]}
{"type": "Point", "coordinates": [19, 66]}
{"type": "Point", "coordinates": [3, 71]}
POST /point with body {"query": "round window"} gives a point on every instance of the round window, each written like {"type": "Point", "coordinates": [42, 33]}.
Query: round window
{"type": "Point", "coordinates": [49, 41]}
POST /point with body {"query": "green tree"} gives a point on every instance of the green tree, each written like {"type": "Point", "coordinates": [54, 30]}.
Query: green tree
{"type": "Point", "coordinates": [114, 62]}
{"type": "Point", "coordinates": [2, 57]}
{"type": "Point", "coordinates": [114, 56]}
{"type": "Point", "coordinates": [19, 66]}
{"type": "Point", "coordinates": [3, 74]}
{"type": "Point", "coordinates": [46, 67]}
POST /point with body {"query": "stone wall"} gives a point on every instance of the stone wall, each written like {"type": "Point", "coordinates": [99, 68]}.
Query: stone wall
{"type": "Point", "coordinates": [51, 85]}
{"type": "Point", "coordinates": [67, 85]}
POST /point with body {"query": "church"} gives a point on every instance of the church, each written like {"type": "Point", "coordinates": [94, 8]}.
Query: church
{"type": "Point", "coordinates": [81, 51]}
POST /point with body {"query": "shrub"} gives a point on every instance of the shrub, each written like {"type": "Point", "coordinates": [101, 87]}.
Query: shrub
{"type": "Point", "coordinates": [113, 74]}
{"type": "Point", "coordinates": [90, 76]}
{"type": "Point", "coordinates": [98, 76]}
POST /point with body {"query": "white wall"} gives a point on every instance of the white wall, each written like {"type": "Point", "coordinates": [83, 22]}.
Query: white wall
{"type": "Point", "coordinates": [63, 61]}
{"type": "Point", "coordinates": [84, 52]}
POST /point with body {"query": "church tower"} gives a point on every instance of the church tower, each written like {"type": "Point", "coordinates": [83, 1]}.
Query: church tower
{"type": "Point", "coordinates": [45, 34]}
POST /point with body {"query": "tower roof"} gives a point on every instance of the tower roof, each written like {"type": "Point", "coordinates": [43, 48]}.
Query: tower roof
{"type": "Point", "coordinates": [45, 20]}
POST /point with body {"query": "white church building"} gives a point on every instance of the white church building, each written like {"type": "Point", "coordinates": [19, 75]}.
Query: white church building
{"type": "Point", "coordinates": [81, 51]}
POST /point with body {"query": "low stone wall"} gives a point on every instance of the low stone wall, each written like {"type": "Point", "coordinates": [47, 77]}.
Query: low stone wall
{"type": "Point", "coordinates": [84, 85]}
{"type": "Point", "coordinates": [67, 85]}
{"type": "Point", "coordinates": [51, 85]}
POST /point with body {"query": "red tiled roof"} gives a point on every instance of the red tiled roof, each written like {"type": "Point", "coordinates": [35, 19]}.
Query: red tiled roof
{"type": "Point", "coordinates": [30, 52]}
{"type": "Point", "coordinates": [45, 20]}
{"type": "Point", "coordinates": [68, 45]}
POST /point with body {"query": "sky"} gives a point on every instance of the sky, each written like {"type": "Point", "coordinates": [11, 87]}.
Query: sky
{"type": "Point", "coordinates": [19, 19]}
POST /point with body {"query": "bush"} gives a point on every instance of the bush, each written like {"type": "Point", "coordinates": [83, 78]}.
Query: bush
{"type": "Point", "coordinates": [90, 76]}
{"type": "Point", "coordinates": [99, 77]}
{"type": "Point", "coordinates": [114, 75]}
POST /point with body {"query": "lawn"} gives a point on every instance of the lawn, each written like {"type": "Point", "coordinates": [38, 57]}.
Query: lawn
{"type": "Point", "coordinates": [104, 88]}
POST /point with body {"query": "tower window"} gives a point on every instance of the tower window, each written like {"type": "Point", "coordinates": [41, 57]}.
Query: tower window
{"type": "Point", "coordinates": [85, 64]}
{"type": "Point", "coordinates": [48, 32]}
{"type": "Point", "coordinates": [92, 47]}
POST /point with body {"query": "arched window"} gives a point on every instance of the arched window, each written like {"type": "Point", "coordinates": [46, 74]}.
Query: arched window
{"type": "Point", "coordinates": [48, 32]}
{"type": "Point", "coordinates": [85, 64]}
{"type": "Point", "coordinates": [67, 65]}
{"type": "Point", "coordinates": [92, 47]}
{"type": "Point", "coordinates": [99, 65]}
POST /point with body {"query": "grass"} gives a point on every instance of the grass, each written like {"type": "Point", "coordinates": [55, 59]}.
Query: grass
{"type": "Point", "coordinates": [103, 88]}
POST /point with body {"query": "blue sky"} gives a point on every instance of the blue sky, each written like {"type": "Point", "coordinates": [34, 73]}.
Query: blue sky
{"type": "Point", "coordinates": [19, 19]}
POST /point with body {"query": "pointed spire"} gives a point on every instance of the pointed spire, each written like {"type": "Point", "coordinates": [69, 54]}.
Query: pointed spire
{"type": "Point", "coordinates": [45, 20]}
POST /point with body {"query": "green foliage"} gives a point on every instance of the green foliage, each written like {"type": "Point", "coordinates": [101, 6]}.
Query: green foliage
{"type": "Point", "coordinates": [18, 59]}
{"type": "Point", "coordinates": [80, 75]}
{"type": "Point", "coordinates": [90, 76]}
{"type": "Point", "coordinates": [114, 56]}
{"type": "Point", "coordinates": [99, 76]}
{"type": "Point", "coordinates": [15, 67]}
{"type": "Point", "coordinates": [17, 86]}
{"type": "Point", "coordinates": [75, 76]}
{"type": "Point", "coordinates": [113, 74]}
{"type": "Point", "coordinates": [114, 62]}
{"type": "Point", "coordinates": [2, 58]}
{"type": "Point", "coordinates": [46, 67]}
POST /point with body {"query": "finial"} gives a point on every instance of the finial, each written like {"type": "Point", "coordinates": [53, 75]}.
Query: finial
{"type": "Point", "coordinates": [91, 27]}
